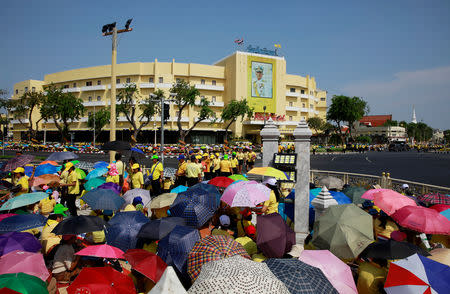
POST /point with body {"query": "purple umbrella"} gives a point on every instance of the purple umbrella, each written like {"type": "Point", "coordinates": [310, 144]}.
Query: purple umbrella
{"type": "Point", "coordinates": [273, 236]}
{"type": "Point", "coordinates": [18, 161]}
{"type": "Point", "coordinates": [18, 241]}
{"type": "Point", "coordinates": [111, 186]}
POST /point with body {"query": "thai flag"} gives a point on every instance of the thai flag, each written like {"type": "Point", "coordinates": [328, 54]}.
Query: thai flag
{"type": "Point", "coordinates": [239, 41]}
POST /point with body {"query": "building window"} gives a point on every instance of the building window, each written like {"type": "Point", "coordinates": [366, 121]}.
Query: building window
{"type": "Point", "coordinates": [99, 82]}
{"type": "Point", "coordinates": [213, 98]}
{"type": "Point", "coordinates": [99, 98]}
{"type": "Point", "coordinates": [311, 106]}
{"type": "Point", "coordinates": [213, 82]}
{"type": "Point", "coordinates": [323, 99]}
{"type": "Point", "coordinates": [117, 81]}
{"type": "Point", "coordinates": [290, 117]}
{"type": "Point", "coordinates": [292, 90]}
{"type": "Point", "coordinates": [177, 113]}
{"type": "Point", "coordinates": [90, 98]}
{"type": "Point", "coordinates": [311, 93]}
{"type": "Point", "coordinates": [179, 80]}
{"type": "Point", "coordinates": [151, 80]}
{"type": "Point", "coordinates": [88, 84]}
{"type": "Point", "coordinates": [74, 85]}
{"type": "Point", "coordinates": [66, 86]}
{"type": "Point", "coordinates": [128, 80]}
{"type": "Point", "coordinates": [17, 91]}
{"type": "Point", "coordinates": [161, 80]}
{"type": "Point", "coordinates": [302, 91]}
{"type": "Point", "coordinates": [303, 117]}
{"type": "Point", "coordinates": [202, 82]}
{"type": "Point", "coordinates": [290, 104]}
{"type": "Point", "coordinates": [33, 89]}
{"type": "Point", "coordinates": [303, 105]}
{"type": "Point", "coordinates": [26, 89]}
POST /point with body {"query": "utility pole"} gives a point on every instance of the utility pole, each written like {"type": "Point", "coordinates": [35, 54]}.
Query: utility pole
{"type": "Point", "coordinates": [111, 29]}
{"type": "Point", "coordinates": [94, 125]}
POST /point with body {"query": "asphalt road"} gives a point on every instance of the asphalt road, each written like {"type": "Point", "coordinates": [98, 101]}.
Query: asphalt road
{"type": "Point", "coordinates": [430, 168]}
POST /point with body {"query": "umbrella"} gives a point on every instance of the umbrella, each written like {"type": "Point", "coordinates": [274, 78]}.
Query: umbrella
{"type": "Point", "coordinates": [81, 173]}
{"type": "Point", "coordinates": [134, 149]}
{"type": "Point", "coordinates": [22, 222]}
{"type": "Point", "coordinates": [5, 185]}
{"type": "Point", "coordinates": [197, 209]}
{"type": "Point", "coordinates": [221, 182]}
{"type": "Point", "coordinates": [179, 189]}
{"type": "Point", "coordinates": [163, 200]}
{"type": "Point", "coordinates": [18, 241]}
{"type": "Point", "coordinates": [355, 193]}
{"type": "Point", "coordinates": [159, 228]}
{"type": "Point", "coordinates": [435, 198]}
{"type": "Point", "coordinates": [61, 156]}
{"type": "Point", "coordinates": [273, 236]}
{"type": "Point", "coordinates": [101, 280]}
{"type": "Point", "coordinates": [237, 275]}
{"type": "Point", "coordinates": [18, 161]}
{"type": "Point", "coordinates": [390, 201]}
{"type": "Point", "coordinates": [49, 162]}
{"type": "Point", "coordinates": [203, 188]}
{"type": "Point", "coordinates": [446, 213]}
{"type": "Point", "coordinates": [269, 172]}
{"type": "Point", "coordinates": [23, 283]}
{"type": "Point", "coordinates": [96, 173]}
{"type": "Point", "coordinates": [100, 164]}
{"type": "Point", "coordinates": [300, 277]}
{"type": "Point", "coordinates": [391, 249]}
{"type": "Point", "coordinates": [103, 199]}
{"type": "Point", "coordinates": [46, 169]}
{"type": "Point", "coordinates": [345, 230]}
{"type": "Point", "coordinates": [417, 274]}
{"type": "Point", "coordinates": [147, 263]}
{"type": "Point", "coordinates": [441, 255]}
{"type": "Point", "coordinates": [440, 207]}
{"type": "Point", "coordinates": [422, 219]}
{"type": "Point", "coordinates": [337, 272]}
{"type": "Point", "coordinates": [175, 247]}
{"type": "Point", "coordinates": [116, 146]}
{"type": "Point", "coordinates": [94, 183]}
{"type": "Point", "coordinates": [23, 200]}
{"type": "Point", "coordinates": [124, 227]}
{"type": "Point", "coordinates": [245, 194]}
{"type": "Point", "coordinates": [144, 194]}
{"type": "Point", "coordinates": [168, 283]}
{"type": "Point", "coordinates": [331, 182]}
{"type": "Point", "coordinates": [24, 262]}
{"type": "Point", "coordinates": [212, 248]}
{"type": "Point", "coordinates": [111, 186]}
{"type": "Point", "coordinates": [170, 172]}
{"type": "Point", "coordinates": [85, 165]}
{"type": "Point", "coordinates": [6, 215]}
{"type": "Point", "coordinates": [340, 197]}
{"type": "Point", "coordinates": [45, 179]}
{"type": "Point", "coordinates": [104, 251]}
{"type": "Point", "coordinates": [79, 224]}
{"type": "Point", "coordinates": [369, 194]}
{"type": "Point", "coordinates": [238, 177]}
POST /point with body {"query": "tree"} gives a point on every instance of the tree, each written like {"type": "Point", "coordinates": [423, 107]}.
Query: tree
{"type": "Point", "coordinates": [128, 98]}
{"type": "Point", "coordinates": [99, 120]}
{"type": "Point", "coordinates": [316, 123]}
{"type": "Point", "coordinates": [447, 136]}
{"type": "Point", "coordinates": [233, 110]}
{"type": "Point", "coordinates": [420, 131]}
{"type": "Point", "coordinates": [390, 123]}
{"type": "Point", "coordinates": [403, 124]}
{"type": "Point", "coordinates": [62, 108]}
{"type": "Point", "coordinates": [25, 107]}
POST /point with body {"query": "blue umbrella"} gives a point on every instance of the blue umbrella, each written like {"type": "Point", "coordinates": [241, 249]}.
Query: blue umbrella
{"type": "Point", "coordinates": [196, 208]}
{"type": "Point", "coordinates": [23, 200]}
{"type": "Point", "coordinates": [60, 156]}
{"type": "Point", "coordinates": [28, 170]}
{"type": "Point", "coordinates": [111, 186]}
{"type": "Point", "coordinates": [340, 197]}
{"type": "Point", "coordinates": [124, 228]}
{"type": "Point", "coordinates": [201, 188]}
{"type": "Point", "coordinates": [96, 173]}
{"type": "Point", "coordinates": [101, 164]}
{"type": "Point", "coordinates": [179, 189]}
{"type": "Point", "coordinates": [46, 169]}
{"type": "Point", "coordinates": [103, 199]}
{"type": "Point", "coordinates": [175, 247]}
{"type": "Point", "coordinates": [159, 228]}
{"type": "Point", "coordinates": [137, 150]}
{"type": "Point", "coordinates": [21, 222]}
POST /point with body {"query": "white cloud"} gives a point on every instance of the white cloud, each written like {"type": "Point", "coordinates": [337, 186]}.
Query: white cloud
{"type": "Point", "coordinates": [428, 90]}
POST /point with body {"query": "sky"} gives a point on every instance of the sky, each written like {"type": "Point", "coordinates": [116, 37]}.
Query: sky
{"type": "Point", "coordinates": [393, 54]}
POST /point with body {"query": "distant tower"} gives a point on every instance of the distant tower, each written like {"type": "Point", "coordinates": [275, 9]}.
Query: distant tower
{"type": "Point", "coordinates": [414, 119]}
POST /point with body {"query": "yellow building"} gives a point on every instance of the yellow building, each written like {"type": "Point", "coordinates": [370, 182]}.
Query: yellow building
{"type": "Point", "coordinates": [259, 78]}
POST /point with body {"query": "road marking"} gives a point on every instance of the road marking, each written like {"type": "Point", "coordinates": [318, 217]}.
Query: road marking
{"type": "Point", "coordinates": [333, 158]}
{"type": "Point", "coordinates": [368, 159]}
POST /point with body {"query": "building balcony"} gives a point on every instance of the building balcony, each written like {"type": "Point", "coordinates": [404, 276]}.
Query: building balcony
{"type": "Point", "coordinates": [209, 87]}
{"type": "Point", "coordinates": [175, 118]}
{"type": "Point", "coordinates": [71, 90]}
{"type": "Point", "coordinates": [147, 85]}
{"type": "Point", "coordinates": [304, 96]}
{"type": "Point", "coordinates": [316, 111]}
{"type": "Point", "coordinates": [292, 108]}
{"type": "Point", "coordinates": [303, 109]}
{"type": "Point", "coordinates": [164, 85]}
{"type": "Point", "coordinates": [94, 103]}
{"type": "Point", "coordinates": [93, 88]}
{"type": "Point", "coordinates": [212, 104]}
{"type": "Point", "coordinates": [122, 119]}
{"type": "Point", "coordinates": [16, 121]}
{"type": "Point", "coordinates": [292, 94]}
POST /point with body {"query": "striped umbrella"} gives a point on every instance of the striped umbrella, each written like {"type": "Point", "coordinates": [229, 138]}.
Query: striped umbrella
{"type": "Point", "coordinates": [212, 248]}
{"type": "Point", "coordinates": [269, 172]}
{"type": "Point", "coordinates": [435, 198]}
{"type": "Point", "coordinates": [18, 161]}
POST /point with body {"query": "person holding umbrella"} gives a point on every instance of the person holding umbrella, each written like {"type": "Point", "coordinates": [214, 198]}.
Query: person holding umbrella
{"type": "Point", "coordinates": [65, 260]}
{"type": "Point", "coordinates": [120, 167]}
{"type": "Point", "coordinates": [137, 178]}
{"type": "Point", "coordinates": [271, 205]}
{"type": "Point", "coordinates": [225, 167]}
{"type": "Point", "coordinates": [22, 180]}
{"type": "Point", "coordinates": [113, 174]}
{"type": "Point", "coordinates": [181, 171]}
{"type": "Point", "coordinates": [73, 184]}
{"type": "Point", "coordinates": [156, 175]}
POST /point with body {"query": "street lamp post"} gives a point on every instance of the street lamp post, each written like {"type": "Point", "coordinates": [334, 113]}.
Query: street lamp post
{"type": "Point", "coordinates": [94, 125]}
{"type": "Point", "coordinates": [264, 108]}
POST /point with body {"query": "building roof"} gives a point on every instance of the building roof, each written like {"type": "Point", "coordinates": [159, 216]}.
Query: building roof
{"type": "Point", "coordinates": [375, 120]}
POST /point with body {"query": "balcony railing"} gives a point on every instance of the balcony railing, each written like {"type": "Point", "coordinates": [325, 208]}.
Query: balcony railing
{"type": "Point", "coordinates": [93, 88]}
{"type": "Point", "coordinates": [292, 94]}
{"type": "Point", "coordinates": [71, 90]}
{"type": "Point", "coordinates": [292, 108]}
{"type": "Point", "coordinates": [209, 87]}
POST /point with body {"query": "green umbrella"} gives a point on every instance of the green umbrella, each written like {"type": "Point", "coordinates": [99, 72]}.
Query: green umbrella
{"type": "Point", "coordinates": [94, 183]}
{"type": "Point", "coordinates": [23, 200]}
{"type": "Point", "coordinates": [238, 177]}
{"type": "Point", "coordinates": [81, 173]}
{"type": "Point", "coordinates": [355, 193]}
{"type": "Point", "coordinates": [75, 162]}
{"type": "Point", "coordinates": [23, 283]}
{"type": "Point", "coordinates": [346, 230]}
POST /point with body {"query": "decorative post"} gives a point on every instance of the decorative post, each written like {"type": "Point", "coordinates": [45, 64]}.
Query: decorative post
{"type": "Point", "coordinates": [322, 202]}
{"type": "Point", "coordinates": [269, 136]}
{"type": "Point", "coordinates": [302, 135]}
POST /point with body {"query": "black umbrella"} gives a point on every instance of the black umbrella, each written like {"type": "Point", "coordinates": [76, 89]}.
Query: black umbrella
{"type": "Point", "coordinates": [79, 225]}
{"type": "Point", "coordinates": [159, 228]}
{"type": "Point", "coordinates": [5, 185]}
{"type": "Point", "coordinates": [392, 249]}
{"type": "Point", "coordinates": [116, 146]}
{"type": "Point", "coordinates": [61, 156]}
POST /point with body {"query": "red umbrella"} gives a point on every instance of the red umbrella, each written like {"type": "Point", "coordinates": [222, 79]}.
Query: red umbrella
{"type": "Point", "coordinates": [435, 198]}
{"type": "Point", "coordinates": [440, 207]}
{"type": "Point", "coordinates": [221, 182]}
{"type": "Point", "coordinates": [103, 250]}
{"type": "Point", "coordinates": [105, 280]}
{"type": "Point", "coordinates": [390, 201]}
{"type": "Point", "coordinates": [422, 219]}
{"type": "Point", "coordinates": [147, 263]}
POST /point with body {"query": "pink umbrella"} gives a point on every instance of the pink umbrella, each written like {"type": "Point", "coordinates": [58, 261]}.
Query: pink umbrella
{"type": "Point", "coordinates": [6, 215]}
{"type": "Point", "coordinates": [24, 262]}
{"type": "Point", "coordinates": [336, 271]}
{"type": "Point", "coordinates": [370, 193]}
{"type": "Point", "coordinates": [245, 194]}
{"type": "Point", "coordinates": [422, 219]}
{"type": "Point", "coordinates": [105, 251]}
{"type": "Point", "coordinates": [389, 201]}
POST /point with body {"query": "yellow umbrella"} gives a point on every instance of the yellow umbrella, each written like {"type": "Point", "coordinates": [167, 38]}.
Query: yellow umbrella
{"type": "Point", "coordinates": [269, 172]}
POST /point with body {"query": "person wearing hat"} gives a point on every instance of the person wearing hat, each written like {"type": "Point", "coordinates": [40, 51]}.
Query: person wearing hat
{"type": "Point", "coordinates": [251, 158]}
{"type": "Point", "coordinates": [22, 180]}
{"type": "Point", "coordinates": [271, 205]}
{"type": "Point", "coordinates": [234, 162]}
{"type": "Point", "coordinates": [223, 229]}
{"type": "Point", "coordinates": [113, 174]}
{"type": "Point", "coordinates": [120, 167]}
{"type": "Point", "coordinates": [137, 178]}
{"type": "Point", "coordinates": [73, 188]}
{"type": "Point", "coordinates": [206, 165]}
{"type": "Point", "coordinates": [47, 204]}
{"type": "Point", "coordinates": [240, 157]}
{"type": "Point", "coordinates": [215, 166]}
{"type": "Point", "coordinates": [156, 175]}
{"type": "Point", "coordinates": [259, 85]}
{"type": "Point", "coordinates": [193, 172]}
{"type": "Point", "coordinates": [225, 167]}
{"type": "Point", "coordinates": [181, 171]}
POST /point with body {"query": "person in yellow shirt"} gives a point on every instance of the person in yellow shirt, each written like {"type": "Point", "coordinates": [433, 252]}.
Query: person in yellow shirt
{"type": "Point", "coordinates": [181, 171]}
{"type": "Point", "coordinates": [234, 163]}
{"type": "Point", "coordinates": [240, 157]}
{"type": "Point", "coordinates": [225, 167]}
{"type": "Point", "coordinates": [251, 159]}
{"type": "Point", "coordinates": [46, 205]}
{"type": "Point", "coordinates": [156, 175]}
{"type": "Point", "coordinates": [206, 163]}
{"type": "Point", "coordinates": [19, 173]}
{"type": "Point", "coordinates": [271, 205]}
{"type": "Point", "coordinates": [73, 184]}
{"type": "Point", "coordinates": [193, 172]}
{"type": "Point", "coordinates": [216, 165]}
{"type": "Point", "coordinates": [371, 276]}
{"type": "Point", "coordinates": [167, 184]}
{"type": "Point", "coordinates": [120, 166]}
{"type": "Point", "coordinates": [113, 174]}
{"type": "Point", "coordinates": [48, 239]}
{"type": "Point", "coordinates": [137, 178]}
{"type": "Point", "coordinates": [64, 176]}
